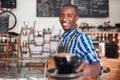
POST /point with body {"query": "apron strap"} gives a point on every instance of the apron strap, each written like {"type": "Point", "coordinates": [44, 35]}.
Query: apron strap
{"type": "Point", "coordinates": [65, 49]}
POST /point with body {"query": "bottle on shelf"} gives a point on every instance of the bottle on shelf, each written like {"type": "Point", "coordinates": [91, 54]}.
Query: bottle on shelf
{"type": "Point", "coordinates": [24, 50]}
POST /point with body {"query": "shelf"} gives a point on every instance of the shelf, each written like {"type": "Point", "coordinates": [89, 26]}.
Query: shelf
{"type": "Point", "coordinates": [39, 36]}
{"type": "Point", "coordinates": [9, 43]}
{"type": "Point", "coordinates": [100, 41]}
{"type": "Point", "coordinates": [98, 28]}
{"type": "Point", "coordinates": [3, 51]}
{"type": "Point", "coordinates": [13, 33]}
{"type": "Point", "coordinates": [36, 42]}
{"type": "Point", "coordinates": [3, 43]}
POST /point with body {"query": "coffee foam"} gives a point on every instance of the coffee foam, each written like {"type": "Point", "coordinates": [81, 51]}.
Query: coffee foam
{"type": "Point", "coordinates": [64, 54]}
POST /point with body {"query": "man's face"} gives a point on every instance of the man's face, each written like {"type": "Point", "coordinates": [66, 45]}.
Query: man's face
{"type": "Point", "coordinates": [68, 17]}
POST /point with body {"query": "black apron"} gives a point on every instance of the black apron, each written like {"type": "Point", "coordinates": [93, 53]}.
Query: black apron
{"type": "Point", "coordinates": [62, 49]}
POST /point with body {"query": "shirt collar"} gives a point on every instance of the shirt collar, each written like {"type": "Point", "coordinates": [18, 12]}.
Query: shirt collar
{"type": "Point", "coordinates": [68, 33]}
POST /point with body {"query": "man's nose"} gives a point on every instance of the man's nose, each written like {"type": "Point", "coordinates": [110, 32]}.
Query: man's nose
{"type": "Point", "coordinates": [65, 18]}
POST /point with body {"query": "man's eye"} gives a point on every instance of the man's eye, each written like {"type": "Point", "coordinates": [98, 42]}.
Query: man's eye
{"type": "Point", "coordinates": [61, 15]}
{"type": "Point", "coordinates": [69, 15]}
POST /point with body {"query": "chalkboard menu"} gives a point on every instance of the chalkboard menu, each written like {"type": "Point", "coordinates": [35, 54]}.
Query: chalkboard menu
{"type": "Point", "coordinates": [92, 8]}
{"type": "Point", "coordinates": [86, 8]}
{"type": "Point", "coordinates": [50, 8]}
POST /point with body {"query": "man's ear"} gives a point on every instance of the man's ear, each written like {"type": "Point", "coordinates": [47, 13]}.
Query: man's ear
{"type": "Point", "coordinates": [77, 17]}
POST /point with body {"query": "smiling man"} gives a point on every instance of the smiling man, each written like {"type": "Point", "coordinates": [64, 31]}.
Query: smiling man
{"type": "Point", "coordinates": [78, 43]}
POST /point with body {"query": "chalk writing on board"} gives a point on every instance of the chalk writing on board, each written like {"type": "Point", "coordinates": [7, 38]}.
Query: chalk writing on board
{"type": "Point", "coordinates": [92, 8]}
{"type": "Point", "coordinates": [50, 8]}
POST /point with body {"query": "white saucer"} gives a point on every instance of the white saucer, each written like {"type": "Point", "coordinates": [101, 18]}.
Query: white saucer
{"type": "Point", "coordinates": [53, 73]}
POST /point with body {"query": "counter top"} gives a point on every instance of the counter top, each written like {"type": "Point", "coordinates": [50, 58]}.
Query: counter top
{"type": "Point", "coordinates": [113, 64]}
{"type": "Point", "coordinates": [23, 69]}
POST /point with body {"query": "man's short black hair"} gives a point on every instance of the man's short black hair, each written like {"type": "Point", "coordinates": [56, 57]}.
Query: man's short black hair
{"type": "Point", "coordinates": [71, 5]}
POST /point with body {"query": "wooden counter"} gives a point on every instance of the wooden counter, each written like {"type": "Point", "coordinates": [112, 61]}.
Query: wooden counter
{"type": "Point", "coordinates": [50, 65]}
{"type": "Point", "coordinates": [113, 64]}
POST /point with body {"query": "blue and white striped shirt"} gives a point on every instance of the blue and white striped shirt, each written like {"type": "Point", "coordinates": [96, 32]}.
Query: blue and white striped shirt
{"type": "Point", "coordinates": [80, 44]}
